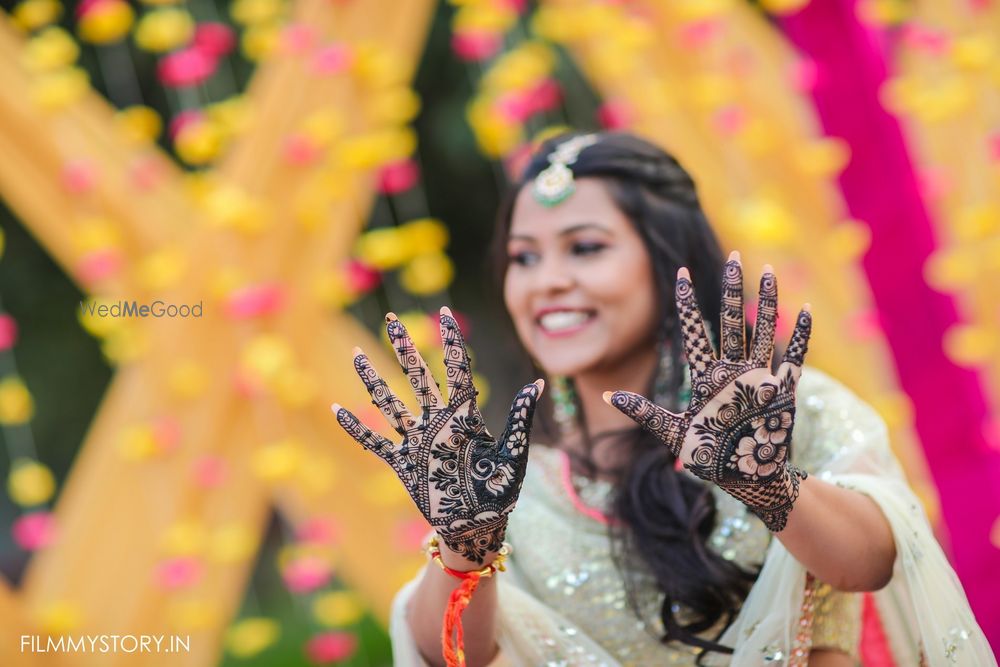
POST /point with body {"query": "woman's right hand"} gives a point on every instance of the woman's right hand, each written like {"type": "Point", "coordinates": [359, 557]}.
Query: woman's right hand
{"type": "Point", "coordinates": [463, 480]}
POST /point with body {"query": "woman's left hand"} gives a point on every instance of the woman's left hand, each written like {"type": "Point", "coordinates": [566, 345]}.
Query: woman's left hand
{"type": "Point", "coordinates": [737, 430]}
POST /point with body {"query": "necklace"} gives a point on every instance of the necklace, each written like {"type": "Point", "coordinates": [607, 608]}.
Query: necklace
{"type": "Point", "coordinates": [566, 476]}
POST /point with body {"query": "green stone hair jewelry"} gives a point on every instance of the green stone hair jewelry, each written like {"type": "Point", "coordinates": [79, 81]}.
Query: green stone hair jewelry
{"type": "Point", "coordinates": [555, 183]}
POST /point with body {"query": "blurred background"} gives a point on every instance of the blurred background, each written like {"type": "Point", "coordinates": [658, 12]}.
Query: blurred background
{"type": "Point", "coordinates": [298, 168]}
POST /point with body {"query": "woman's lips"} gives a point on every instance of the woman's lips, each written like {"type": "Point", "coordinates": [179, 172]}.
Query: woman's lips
{"type": "Point", "coordinates": [561, 323]}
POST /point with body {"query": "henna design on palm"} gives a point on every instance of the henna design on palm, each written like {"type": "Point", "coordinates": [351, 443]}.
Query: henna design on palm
{"type": "Point", "coordinates": [464, 481]}
{"type": "Point", "coordinates": [737, 430]}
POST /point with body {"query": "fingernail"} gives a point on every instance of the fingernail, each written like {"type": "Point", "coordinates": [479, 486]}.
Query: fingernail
{"type": "Point", "coordinates": [390, 317]}
{"type": "Point", "coordinates": [446, 311]}
{"type": "Point", "coordinates": [356, 351]}
{"type": "Point", "coordinates": [807, 307]}
{"type": "Point", "coordinates": [734, 256]}
{"type": "Point", "coordinates": [540, 383]}
{"type": "Point", "coordinates": [607, 397]}
{"type": "Point", "coordinates": [335, 408]}
{"type": "Point", "coordinates": [768, 269]}
{"type": "Point", "coordinates": [683, 273]}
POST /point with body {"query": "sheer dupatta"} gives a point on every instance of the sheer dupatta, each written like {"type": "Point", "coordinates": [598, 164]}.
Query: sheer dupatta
{"type": "Point", "coordinates": [923, 612]}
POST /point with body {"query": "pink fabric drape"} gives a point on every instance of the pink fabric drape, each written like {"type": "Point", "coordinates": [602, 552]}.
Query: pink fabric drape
{"type": "Point", "coordinates": [880, 187]}
{"type": "Point", "coordinates": [874, 650]}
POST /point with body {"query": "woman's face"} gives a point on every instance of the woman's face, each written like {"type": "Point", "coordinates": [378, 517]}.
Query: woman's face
{"type": "Point", "coordinates": [579, 284]}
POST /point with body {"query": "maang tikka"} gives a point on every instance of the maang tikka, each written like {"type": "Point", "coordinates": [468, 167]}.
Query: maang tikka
{"type": "Point", "coordinates": [555, 183]}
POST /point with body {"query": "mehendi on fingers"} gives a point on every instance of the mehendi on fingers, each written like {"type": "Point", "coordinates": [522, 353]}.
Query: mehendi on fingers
{"type": "Point", "coordinates": [464, 481]}
{"type": "Point", "coordinates": [762, 347]}
{"type": "Point", "coordinates": [737, 430]}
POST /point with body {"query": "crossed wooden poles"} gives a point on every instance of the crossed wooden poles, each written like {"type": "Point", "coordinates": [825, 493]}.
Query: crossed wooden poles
{"type": "Point", "coordinates": [113, 513]}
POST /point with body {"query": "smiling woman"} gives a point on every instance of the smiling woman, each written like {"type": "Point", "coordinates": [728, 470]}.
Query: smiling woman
{"type": "Point", "coordinates": [570, 285]}
{"type": "Point", "coordinates": [733, 517]}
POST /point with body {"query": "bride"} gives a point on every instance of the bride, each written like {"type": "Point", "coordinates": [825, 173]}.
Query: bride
{"type": "Point", "coordinates": [700, 504]}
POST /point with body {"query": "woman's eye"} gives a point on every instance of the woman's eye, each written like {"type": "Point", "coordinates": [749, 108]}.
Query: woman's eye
{"type": "Point", "coordinates": [524, 258]}
{"type": "Point", "coordinates": [585, 248]}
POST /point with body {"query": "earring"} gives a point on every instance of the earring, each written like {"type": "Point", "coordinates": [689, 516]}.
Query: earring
{"type": "Point", "coordinates": [564, 404]}
{"type": "Point", "coordinates": [664, 374]}
{"type": "Point", "coordinates": [662, 395]}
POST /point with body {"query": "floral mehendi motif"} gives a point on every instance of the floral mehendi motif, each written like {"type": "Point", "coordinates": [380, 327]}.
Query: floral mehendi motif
{"type": "Point", "coordinates": [760, 455]}
{"type": "Point", "coordinates": [737, 430]}
{"type": "Point", "coordinates": [464, 481]}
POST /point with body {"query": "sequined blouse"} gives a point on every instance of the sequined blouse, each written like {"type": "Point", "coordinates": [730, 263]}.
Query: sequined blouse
{"type": "Point", "coordinates": [562, 556]}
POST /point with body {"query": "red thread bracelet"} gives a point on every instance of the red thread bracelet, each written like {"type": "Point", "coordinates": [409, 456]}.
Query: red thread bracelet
{"type": "Point", "coordinates": [454, 650]}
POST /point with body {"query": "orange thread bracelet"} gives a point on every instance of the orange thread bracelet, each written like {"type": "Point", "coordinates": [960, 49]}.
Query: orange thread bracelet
{"type": "Point", "coordinates": [452, 633]}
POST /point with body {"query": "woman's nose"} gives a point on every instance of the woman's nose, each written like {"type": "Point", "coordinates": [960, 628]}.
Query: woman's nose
{"type": "Point", "coordinates": [553, 276]}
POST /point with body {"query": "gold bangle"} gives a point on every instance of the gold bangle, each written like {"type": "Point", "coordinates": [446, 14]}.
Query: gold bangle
{"type": "Point", "coordinates": [433, 549]}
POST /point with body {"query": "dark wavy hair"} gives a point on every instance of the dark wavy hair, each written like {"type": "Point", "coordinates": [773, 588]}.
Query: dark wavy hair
{"type": "Point", "coordinates": [663, 517]}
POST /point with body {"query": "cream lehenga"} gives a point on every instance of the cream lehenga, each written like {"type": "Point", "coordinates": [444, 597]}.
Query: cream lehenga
{"type": "Point", "coordinates": [562, 601]}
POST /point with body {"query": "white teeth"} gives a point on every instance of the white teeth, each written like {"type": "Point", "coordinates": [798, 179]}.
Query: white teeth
{"type": "Point", "coordinates": [563, 319]}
